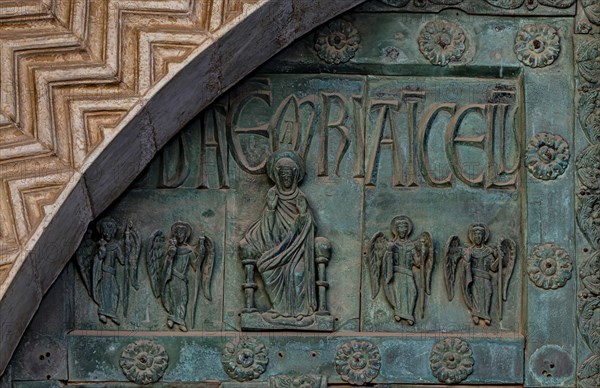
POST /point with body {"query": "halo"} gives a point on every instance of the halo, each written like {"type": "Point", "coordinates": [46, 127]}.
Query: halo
{"type": "Point", "coordinates": [181, 224]}
{"type": "Point", "coordinates": [105, 221]}
{"type": "Point", "coordinates": [278, 155]}
{"type": "Point", "coordinates": [486, 235]}
{"type": "Point", "coordinates": [402, 218]}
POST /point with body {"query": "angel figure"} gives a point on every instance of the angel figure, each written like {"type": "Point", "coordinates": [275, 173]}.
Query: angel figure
{"type": "Point", "coordinates": [475, 266]}
{"type": "Point", "coordinates": [168, 266]}
{"type": "Point", "coordinates": [397, 263]}
{"type": "Point", "coordinates": [99, 265]}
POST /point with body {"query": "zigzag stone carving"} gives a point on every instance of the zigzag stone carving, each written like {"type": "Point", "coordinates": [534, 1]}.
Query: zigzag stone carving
{"type": "Point", "coordinates": [89, 91]}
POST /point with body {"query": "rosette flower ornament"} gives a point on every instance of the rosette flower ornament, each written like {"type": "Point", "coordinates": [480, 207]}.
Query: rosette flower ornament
{"type": "Point", "coordinates": [537, 45]}
{"type": "Point", "coordinates": [451, 360]}
{"type": "Point", "coordinates": [549, 267]}
{"type": "Point", "coordinates": [244, 359]}
{"type": "Point", "coordinates": [144, 362]}
{"type": "Point", "coordinates": [442, 42]}
{"type": "Point", "coordinates": [358, 362]}
{"type": "Point", "coordinates": [337, 42]}
{"type": "Point", "coordinates": [547, 156]}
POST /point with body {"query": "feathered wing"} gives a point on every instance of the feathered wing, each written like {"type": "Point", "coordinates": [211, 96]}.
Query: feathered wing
{"type": "Point", "coordinates": [131, 253]}
{"type": "Point", "coordinates": [425, 250]}
{"type": "Point", "coordinates": [376, 251]}
{"type": "Point", "coordinates": [133, 247]}
{"type": "Point", "coordinates": [387, 275]}
{"type": "Point", "coordinates": [97, 272]}
{"type": "Point", "coordinates": [452, 254]}
{"type": "Point", "coordinates": [203, 266]}
{"type": "Point", "coordinates": [155, 253]}
{"type": "Point", "coordinates": [507, 249]}
{"type": "Point", "coordinates": [84, 258]}
{"type": "Point", "coordinates": [207, 266]}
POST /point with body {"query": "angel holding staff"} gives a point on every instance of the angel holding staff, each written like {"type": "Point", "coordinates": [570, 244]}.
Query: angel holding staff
{"type": "Point", "coordinates": [99, 263]}
{"type": "Point", "coordinates": [168, 266]}
{"type": "Point", "coordinates": [475, 265]}
{"type": "Point", "coordinates": [396, 263]}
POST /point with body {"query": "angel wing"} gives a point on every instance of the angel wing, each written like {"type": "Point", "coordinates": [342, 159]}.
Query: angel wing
{"type": "Point", "coordinates": [207, 265]}
{"type": "Point", "coordinates": [424, 248]}
{"type": "Point", "coordinates": [97, 270]}
{"type": "Point", "coordinates": [84, 257]}
{"type": "Point", "coordinates": [376, 250]}
{"type": "Point", "coordinates": [155, 253]}
{"type": "Point", "coordinates": [507, 249]}
{"type": "Point", "coordinates": [133, 247]}
{"type": "Point", "coordinates": [204, 268]}
{"type": "Point", "coordinates": [452, 254]}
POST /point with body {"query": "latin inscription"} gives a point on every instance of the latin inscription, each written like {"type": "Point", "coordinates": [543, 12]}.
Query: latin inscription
{"type": "Point", "coordinates": [424, 135]}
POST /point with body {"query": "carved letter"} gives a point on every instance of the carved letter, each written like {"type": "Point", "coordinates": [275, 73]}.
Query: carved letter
{"type": "Point", "coordinates": [327, 125]}
{"type": "Point", "coordinates": [174, 151]}
{"type": "Point", "coordinates": [233, 131]}
{"type": "Point", "coordinates": [412, 99]}
{"type": "Point", "coordinates": [358, 104]}
{"type": "Point", "coordinates": [499, 113]}
{"type": "Point", "coordinates": [384, 107]}
{"type": "Point", "coordinates": [424, 128]}
{"type": "Point", "coordinates": [453, 138]}
{"type": "Point", "coordinates": [289, 132]}
{"type": "Point", "coordinates": [212, 135]}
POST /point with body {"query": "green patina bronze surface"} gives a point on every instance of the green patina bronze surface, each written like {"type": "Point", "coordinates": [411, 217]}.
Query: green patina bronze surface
{"type": "Point", "coordinates": [393, 199]}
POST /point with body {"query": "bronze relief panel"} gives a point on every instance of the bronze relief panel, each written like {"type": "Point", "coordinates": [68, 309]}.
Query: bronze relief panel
{"type": "Point", "coordinates": [389, 200]}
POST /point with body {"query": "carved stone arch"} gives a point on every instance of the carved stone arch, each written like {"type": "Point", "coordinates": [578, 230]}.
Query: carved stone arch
{"type": "Point", "coordinates": [90, 91]}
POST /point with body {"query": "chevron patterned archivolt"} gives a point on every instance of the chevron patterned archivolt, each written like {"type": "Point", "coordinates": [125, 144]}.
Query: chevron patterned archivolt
{"type": "Point", "coordinates": [28, 200]}
{"type": "Point", "coordinates": [35, 198]}
{"type": "Point", "coordinates": [4, 269]}
{"type": "Point", "coordinates": [97, 123]}
{"type": "Point", "coordinates": [24, 10]}
{"type": "Point", "coordinates": [70, 70]}
{"type": "Point", "coordinates": [78, 87]}
{"type": "Point", "coordinates": [165, 54]}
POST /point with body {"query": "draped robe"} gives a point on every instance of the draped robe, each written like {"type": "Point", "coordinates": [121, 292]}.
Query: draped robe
{"type": "Point", "coordinates": [478, 286]}
{"type": "Point", "coordinates": [105, 280]}
{"type": "Point", "coordinates": [400, 286]}
{"type": "Point", "coordinates": [282, 242]}
{"type": "Point", "coordinates": [175, 292]}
